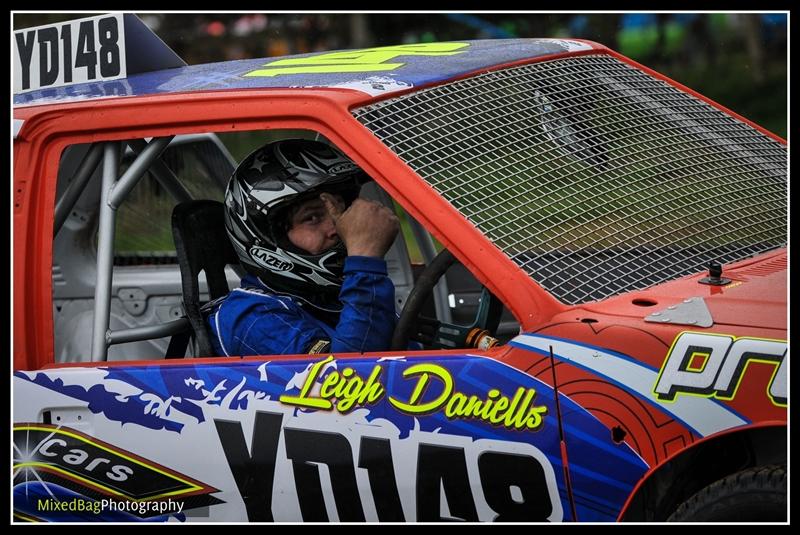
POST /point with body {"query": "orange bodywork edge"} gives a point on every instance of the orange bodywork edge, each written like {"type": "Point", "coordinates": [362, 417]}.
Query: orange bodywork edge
{"type": "Point", "coordinates": [48, 130]}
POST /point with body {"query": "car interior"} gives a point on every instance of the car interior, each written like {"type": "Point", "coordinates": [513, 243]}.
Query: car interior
{"type": "Point", "coordinates": [171, 255]}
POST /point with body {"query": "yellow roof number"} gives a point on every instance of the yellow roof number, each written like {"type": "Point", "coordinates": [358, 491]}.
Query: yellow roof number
{"type": "Point", "coordinates": [364, 60]}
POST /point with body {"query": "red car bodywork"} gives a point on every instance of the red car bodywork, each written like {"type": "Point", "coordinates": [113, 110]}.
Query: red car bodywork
{"type": "Point", "coordinates": [753, 306]}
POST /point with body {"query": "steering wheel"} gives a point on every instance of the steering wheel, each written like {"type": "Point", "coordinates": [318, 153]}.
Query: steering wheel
{"type": "Point", "coordinates": [432, 332]}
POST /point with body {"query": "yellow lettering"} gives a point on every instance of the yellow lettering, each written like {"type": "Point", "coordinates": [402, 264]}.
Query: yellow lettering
{"type": "Point", "coordinates": [499, 407]}
{"type": "Point", "coordinates": [364, 60]}
{"type": "Point", "coordinates": [509, 420]}
{"type": "Point", "coordinates": [455, 407]}
{"type": "Point", "coordinates": [339, 392]}
{"type": "Point", "coordinates": [535, 417]}
{"type": "Point", "coordinates": [328, 385]}
{"type": "Point", "coordinates": [474, 406]}
{"type": "Point", "coordinates": [521, 413]}
{"type": "Point", "coordinates": [357, 391]}
{"type": "Point", "coordinates": [425, 371]}
{"type": "Point", "coordinates": [520, 417]}
{"type": "Point", "coordinates": [373, 390]}
{"type": "Point", "coordinates": [303, 400]}
{"type": "Point", "coordinates": [353, 388]}
{"type": "Point", "coordinates": [487, 405]}
{"type": "Point", "coordinates": [347, 390]}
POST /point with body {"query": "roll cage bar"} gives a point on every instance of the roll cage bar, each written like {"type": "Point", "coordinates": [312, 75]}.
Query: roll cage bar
{"type": "Point", "coordinates": [114, 191]}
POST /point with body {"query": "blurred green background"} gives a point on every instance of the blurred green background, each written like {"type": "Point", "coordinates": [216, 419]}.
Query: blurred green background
{"type": "Point", "coordinates": [737, 59]}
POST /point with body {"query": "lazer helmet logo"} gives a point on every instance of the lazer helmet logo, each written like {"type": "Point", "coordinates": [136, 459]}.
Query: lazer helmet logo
{"type": "Point", "coordinates": [269, 260]}
{"type": "Point", "coordinates": [342, 168]}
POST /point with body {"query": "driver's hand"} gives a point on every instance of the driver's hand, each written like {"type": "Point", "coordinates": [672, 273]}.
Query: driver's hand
{"type": "Point", "coordinates": [367, 228]}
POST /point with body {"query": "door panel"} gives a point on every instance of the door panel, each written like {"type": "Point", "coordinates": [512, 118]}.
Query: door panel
{"type": "Point", "coordinates": [420, 438]}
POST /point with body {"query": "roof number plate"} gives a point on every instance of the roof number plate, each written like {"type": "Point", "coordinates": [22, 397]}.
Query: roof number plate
{"type": "Point", "coordinates": [82, 50]}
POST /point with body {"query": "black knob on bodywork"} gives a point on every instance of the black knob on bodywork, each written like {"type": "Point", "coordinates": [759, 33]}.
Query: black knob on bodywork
{"type": "Point", "coordinates": [714, 275]}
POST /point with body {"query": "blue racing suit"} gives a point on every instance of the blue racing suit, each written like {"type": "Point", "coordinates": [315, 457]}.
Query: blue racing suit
{"type": "Point", "coordinates": [252, 320]}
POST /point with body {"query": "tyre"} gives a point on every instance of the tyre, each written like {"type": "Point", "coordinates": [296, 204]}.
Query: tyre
{"type": "Point", "coordinates": [754, 495]}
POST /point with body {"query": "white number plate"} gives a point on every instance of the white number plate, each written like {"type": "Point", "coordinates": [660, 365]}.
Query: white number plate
{"type": "Point", "coordinates": [77, 51]}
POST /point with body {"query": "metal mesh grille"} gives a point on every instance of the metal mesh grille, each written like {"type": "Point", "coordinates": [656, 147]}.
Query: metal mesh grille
{"type": "Point", "coordinates": [594, 177]}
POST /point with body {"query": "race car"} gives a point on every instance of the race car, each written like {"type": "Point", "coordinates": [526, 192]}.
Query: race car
{"type": "Point", "coordinates": [593, 274]}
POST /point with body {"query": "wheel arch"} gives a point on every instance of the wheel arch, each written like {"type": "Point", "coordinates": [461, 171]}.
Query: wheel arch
{"type": "Point", "coordinates": [675, 480]}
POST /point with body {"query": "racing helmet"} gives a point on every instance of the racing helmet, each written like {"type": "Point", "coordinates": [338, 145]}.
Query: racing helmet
{"type": "Point", "coordinates": [258, 206]}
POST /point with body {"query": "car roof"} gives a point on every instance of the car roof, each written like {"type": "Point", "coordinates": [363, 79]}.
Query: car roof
{"type": "Point", "coordinates": [375, 71]}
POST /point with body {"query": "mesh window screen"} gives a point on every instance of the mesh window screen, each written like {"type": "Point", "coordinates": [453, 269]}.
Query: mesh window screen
{"type": "Point", "coordinates": [594, 177]}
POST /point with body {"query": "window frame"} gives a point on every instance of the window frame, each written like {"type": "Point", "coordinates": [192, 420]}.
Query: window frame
{"type": "Point", "coordinates": [325, 111]}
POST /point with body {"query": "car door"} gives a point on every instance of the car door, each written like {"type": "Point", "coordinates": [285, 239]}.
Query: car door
{"type": "Point", "coordinates": [409, 435]}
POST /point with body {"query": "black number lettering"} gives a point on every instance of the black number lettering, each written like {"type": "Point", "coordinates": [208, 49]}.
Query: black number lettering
{"type": "Point", "coordinates": [501, 471]}
{"type": "Point", "coordinates": [254, 475]}
{"type": "Point", "coordinates": [109, 49]}
{"type": "Point", "coordinates": [66, 39]}
{"type": "Point", "coordinates": [48, 56]}
{"type": "Point", "coordinates": [86, 56]}
{"type": "Point", "coordinates": [443, 467]}
{"type": "Point", "coordinates": [375, 454]}
{"type": "Point", "coordinates": [305, 448]}
{"type": "Point", "coordinates": [25, 42]}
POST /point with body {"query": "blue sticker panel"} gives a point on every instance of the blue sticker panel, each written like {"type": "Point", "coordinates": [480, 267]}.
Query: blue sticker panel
{"type": "Point", "coordinates": [432, 396]}
{"type": "Point", "coordinates": [390, 69]}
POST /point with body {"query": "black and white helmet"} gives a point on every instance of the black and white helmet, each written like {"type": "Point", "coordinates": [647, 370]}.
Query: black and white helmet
{"type": "Point", "coordinates": [257, 201]}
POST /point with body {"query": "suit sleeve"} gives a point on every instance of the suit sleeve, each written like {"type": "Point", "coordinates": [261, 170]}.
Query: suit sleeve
{"type": "Point", "coordinates": [368, 315]}
{"type": "Point", "coordinates": [252, 323]}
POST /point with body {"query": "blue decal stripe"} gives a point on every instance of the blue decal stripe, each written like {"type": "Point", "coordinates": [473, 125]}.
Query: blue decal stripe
{"type": "Point", "coordinates": [608, 448]}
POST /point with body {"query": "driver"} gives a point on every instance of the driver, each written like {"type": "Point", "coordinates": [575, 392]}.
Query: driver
{"type": "Point", "coordinates": [317, 281]}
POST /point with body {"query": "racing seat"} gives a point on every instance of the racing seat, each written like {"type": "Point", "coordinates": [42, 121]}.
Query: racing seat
{"type": "Point", "coordinates": [198, 228]}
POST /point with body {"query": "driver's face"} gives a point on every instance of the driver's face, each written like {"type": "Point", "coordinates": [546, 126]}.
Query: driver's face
{"type": "Point", "coordinates": [312, 228]}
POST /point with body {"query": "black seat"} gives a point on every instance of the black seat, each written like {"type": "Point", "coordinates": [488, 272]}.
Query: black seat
{"type": "Point", "coordinates": [198, 228]}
